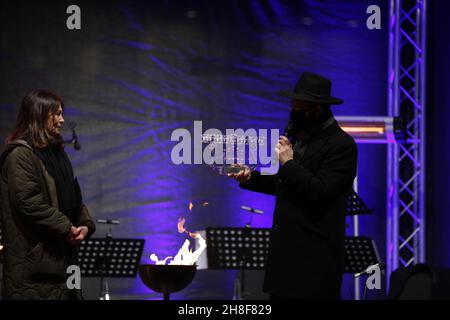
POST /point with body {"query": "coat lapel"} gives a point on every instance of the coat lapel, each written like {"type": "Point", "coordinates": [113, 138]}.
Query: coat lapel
{"type": "Point", "coordinates": [319, 141]}
{"type": "Point", "coordinates": [313, 147]}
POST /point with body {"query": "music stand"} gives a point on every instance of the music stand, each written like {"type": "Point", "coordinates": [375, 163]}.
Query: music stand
{"type": "Point", "coordinates": [237, 248]}
{"type": "Point", "coordinates": [360, 253]}
{"type": "Point", "coordinates": [113, 258]}
{"type": "Point", "coordinates": [355, 205]}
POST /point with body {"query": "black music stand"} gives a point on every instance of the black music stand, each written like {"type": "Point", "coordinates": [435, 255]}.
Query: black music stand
{"type": "Point", "coordinates": [112, 258]}
{"type": "Point", "coordinates": [360, 253]}
{"type": "Point", "coordinates": [355, 205]}
{"type": "Point", "coordinates": [238, 249]}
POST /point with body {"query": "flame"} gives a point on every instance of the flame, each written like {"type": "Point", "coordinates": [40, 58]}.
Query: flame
{"type": "Point", "coordinates": [191, 205]}
{"type": "Point", "coordinates": [182, 229]}
{"type": "Point", "coordinates": [154, 258]}
{"type": "Point", "coordinates": [181, 222]}
{"type": "Point", "coordinates": [185, 256]}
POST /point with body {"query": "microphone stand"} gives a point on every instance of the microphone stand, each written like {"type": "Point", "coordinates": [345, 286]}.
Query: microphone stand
{"type": "Point", "coordinates": [104, 287]}
{"type": "Point", "coordinates": [239, 283]}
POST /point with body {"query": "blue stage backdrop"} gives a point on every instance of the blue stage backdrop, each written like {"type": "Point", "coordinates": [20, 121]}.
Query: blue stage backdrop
{"type": "Point", "coordinates": [138, 70]}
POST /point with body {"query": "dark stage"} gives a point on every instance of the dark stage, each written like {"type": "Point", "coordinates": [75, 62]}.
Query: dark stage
{"type": "Point", "coordinates": [135, 76]}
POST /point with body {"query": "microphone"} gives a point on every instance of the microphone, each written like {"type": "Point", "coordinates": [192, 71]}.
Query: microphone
{"type": "Point", "coordinates": [76, 144]}
{"type": "Point", "coordinates": [107, 221]}
{"type": "Point", "coordinates": [289, 130]}
{"type": "Point", "coordinates": [252, 210]}
{"type": "Point", "coordinates": [380, 265]}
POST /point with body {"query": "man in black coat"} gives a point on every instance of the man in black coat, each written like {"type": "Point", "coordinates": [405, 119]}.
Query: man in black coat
{"type": "Point", "coordinates": [306, 256]}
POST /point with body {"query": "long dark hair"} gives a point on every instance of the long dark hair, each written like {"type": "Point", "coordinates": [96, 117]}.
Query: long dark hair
{"type": "Point", "coordinates": [32, 121]}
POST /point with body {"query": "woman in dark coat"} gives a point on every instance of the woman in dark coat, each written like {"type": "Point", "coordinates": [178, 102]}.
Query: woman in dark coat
{"type": "Point", "coordinates": [43, 217]}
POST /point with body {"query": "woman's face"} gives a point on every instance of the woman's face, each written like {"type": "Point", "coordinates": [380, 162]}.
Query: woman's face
{"type": "Point", "coordinates": [55, 122]}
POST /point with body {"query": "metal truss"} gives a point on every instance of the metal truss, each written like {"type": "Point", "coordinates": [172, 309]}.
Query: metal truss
{"type": "Point", "coordinates": [406, 160]}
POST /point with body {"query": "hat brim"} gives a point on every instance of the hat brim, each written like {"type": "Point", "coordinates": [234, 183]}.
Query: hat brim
{"type": "Point", "coordinates": [302, 97]}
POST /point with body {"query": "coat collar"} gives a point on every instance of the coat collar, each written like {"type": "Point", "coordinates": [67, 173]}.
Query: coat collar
{"type": "Point", "coordinates": [319, 140]}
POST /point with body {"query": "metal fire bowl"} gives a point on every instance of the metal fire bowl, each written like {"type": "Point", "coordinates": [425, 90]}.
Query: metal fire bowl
{"type": "Point", "coordinates": [166, 278]}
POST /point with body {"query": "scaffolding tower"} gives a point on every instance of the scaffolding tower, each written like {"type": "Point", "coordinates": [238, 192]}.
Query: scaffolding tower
{"type": "Point", "coordinates": [406, 159]}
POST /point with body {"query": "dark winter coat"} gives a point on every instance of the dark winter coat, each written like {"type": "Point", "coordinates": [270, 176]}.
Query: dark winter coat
{"type": "Point", "coordinates": [306, 255]}
{"type": "Point", "coordinates": [36, 253]}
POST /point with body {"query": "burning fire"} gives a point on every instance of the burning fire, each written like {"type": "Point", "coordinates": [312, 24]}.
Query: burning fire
{"type": "Point", "coordinates": [191, 205]}
{"type": "Point", "coordinates": [182, 229]}
{"type": "Point", "coordinates": [185, 256]}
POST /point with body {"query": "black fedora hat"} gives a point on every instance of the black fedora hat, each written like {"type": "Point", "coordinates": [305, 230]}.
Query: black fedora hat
{"type": "Point", "coordinates": [313, 88]}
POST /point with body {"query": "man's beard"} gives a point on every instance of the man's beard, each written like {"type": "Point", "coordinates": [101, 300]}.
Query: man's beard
{"type": "Point", "coordinates": [302, 123]}
{"type": "Point", "coordinates": [309, 125]}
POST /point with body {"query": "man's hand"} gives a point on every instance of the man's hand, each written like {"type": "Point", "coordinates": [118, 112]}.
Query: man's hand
{"type": "Point", "coordinates": [243, 176]}
{"type": "Point", "coordinates": [284, 150]}
{"type": "Point", "coordinates": [77, 235]}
